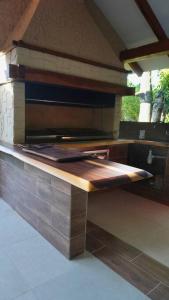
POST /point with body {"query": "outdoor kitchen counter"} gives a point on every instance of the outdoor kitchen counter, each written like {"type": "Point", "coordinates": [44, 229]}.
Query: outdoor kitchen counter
{"type": "Point", "coordinates": [88, 175]}
{"type": "Point", "coordinates": [53, 197]}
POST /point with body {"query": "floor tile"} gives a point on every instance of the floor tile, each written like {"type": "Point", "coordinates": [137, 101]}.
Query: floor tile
{"type": "Point", "coordinates": [158, 247]}
{"type": "Point", "coordinates": [37, 260]}
{"type": "Point", "coordinates": [92, 244]}
{"type": "Point", "coordinates": [116, 245]}
{"type": "Point", "coordinates": [132, 273]}
{"type": "Point", "coordinates": [12, 283]}
{"type": "Point", "coordinates": [161, 293]}
{"type": "Point", "coordinates": [138, 221]}
{"type": "Point", "coordinates": [92, 280]}
{"type": "Point", "coordinates": [28, 261]}
{"type": "Point", "coordinates": [14, 229]}
{"type": "Point", "coordinates": [26, 296]}
{"type": "Point", "coordinates": [5, 209]}
{"type": "Point", "coordinates": [152, 266]}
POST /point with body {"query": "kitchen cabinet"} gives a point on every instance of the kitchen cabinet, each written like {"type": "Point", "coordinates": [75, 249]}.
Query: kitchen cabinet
{"type": "Point", "coordinates": [156, 188]}
{"type": "Point", "coordinates": [119, 153]}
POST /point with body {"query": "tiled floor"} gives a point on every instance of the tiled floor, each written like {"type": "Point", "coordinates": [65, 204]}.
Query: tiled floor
{"type": "Point", "coordinates": [146, 274]}
{"type": "Point", "coordinates": [32, 269]}
{"type": "Point", "coordinates": [138, 221]}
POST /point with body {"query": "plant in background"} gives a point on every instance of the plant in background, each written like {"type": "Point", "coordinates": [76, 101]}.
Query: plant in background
{"type": "Point", "coordinates": [130, 106]}
{"type": "Point", "coordinates": [162, 91]}
{"type": "Point", "coordinates": [155, 95]}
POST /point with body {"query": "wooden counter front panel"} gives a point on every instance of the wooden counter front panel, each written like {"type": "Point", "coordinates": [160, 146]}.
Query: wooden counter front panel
{"type": "Point", "coordinates": [52, 206]}
{"type": "Point", "coordinates": [119, 153]}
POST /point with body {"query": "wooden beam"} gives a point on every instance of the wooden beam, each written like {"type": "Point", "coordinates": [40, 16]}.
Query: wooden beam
{"type": "Point", "coordinates": [136, 68]}
{"type": "Point", "coordinates": [151, 19]}
{"type": "Point", "coordinates": [143, 52]}
{"type": "Point", "coordinates": [23, 73]}
{"type": "Point", "coordinates": [22, 44]}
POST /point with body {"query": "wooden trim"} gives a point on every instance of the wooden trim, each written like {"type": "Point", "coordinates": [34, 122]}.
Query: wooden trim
{"type": "Point", "coordinates": [68, 56]}
{"type": "Point", "coordinates": [151, 19]}
{"type": "Point", "coordinates": [136, 68]}
{"type": "Point", "coordinates": [140, 53]}
{"type": "Point", "coordinates": [20, 72]}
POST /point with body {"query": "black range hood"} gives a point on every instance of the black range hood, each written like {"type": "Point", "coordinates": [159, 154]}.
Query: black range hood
{"type": "Point", "coordinates": [37, 93]}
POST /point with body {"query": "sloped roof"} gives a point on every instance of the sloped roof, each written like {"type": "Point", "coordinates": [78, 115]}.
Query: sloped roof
{"type": "Point", "coordinates": [125, 17]}
{"type": "Point", "coordinates": [130, 24]}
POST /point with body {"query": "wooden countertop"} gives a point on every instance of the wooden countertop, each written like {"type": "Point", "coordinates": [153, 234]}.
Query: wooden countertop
{"type": "Point", "coordinates": [109, 143]}
{"type": "Point", "coordinates": [89, 175]}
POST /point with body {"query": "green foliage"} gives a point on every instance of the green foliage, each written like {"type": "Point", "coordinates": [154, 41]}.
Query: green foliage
{"type": "Point", "coordinates": [130, 108]}
{"type": "Point", "coordinates": [163, 88]}
{"type": "Point", "coordinates": [164, 85]}
{"type": "Point", "coordinates": [131, 104]}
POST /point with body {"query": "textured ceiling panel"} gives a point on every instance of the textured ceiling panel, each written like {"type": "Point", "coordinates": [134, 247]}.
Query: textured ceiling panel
{"type": "Point", "coordinates": [161, 10]}
{"type": "Point", "coordinates": [128, 21]}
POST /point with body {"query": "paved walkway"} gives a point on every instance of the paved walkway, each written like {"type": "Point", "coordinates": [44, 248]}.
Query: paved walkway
{"type": "Point", "coordinates": [32, 269]}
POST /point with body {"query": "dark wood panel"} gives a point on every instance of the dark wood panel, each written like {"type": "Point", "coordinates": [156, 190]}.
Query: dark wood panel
{"type": "Point", "coordinates": [119, 153]}
{"type": "Point", "coordinates": [151, 19]}
{"type": "Point", "coordinates": [160, 293]}
{"type": "Point", "coordinates": [78, 205]}
{"type": "Point", "coordinates": [48, 193]}
{"type": "Point", "coordinates": [142, 52]}
{"type": "Point", "coordinates": [63, 224]}
{"type": "Point", "coordinates": [23, 44]}
{"type": "Point", "coordinates": [91, 226]}
{"type": "Point", "coordinates": [93, 244]}
{"type": "Point", "coordinates": [20, 72]}
{"type": "Point", "coordinates": [132, 273]}
{"type": "Point", "coordinates": [142, 271]}
{"type": "Point", "coordinates": [114, 244]}
{"type": "Point", "coordinates": [152, 266]}
{"type": "Point", "coordinates": [136, 68]}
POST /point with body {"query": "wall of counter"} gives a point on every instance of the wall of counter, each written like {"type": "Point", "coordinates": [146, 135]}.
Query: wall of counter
{"type": "Point", "coordinates": [53, 196]}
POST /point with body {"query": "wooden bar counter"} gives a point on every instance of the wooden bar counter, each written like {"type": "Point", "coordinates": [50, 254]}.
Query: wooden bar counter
{"type": "Point", "coordinates": [53, 196]}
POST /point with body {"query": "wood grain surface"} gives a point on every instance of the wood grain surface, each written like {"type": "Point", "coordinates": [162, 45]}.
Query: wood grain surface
{"type": "Point", "coordinates": [89, 175]}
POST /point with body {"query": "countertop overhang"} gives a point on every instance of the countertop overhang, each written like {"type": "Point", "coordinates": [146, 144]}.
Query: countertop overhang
{"type": "Point", "coordinates": [88, 175]}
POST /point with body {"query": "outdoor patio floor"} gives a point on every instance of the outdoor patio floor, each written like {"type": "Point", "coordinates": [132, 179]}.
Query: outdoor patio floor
{"type": "Point", "coordinates": [32, 269]}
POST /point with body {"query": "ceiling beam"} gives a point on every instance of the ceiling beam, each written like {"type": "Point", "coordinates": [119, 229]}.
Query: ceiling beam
{"type": "Point", "coordinates": [135, 67]}
{"type": "Point", "coordinates": [143, 52]}
{"type": "Point", "coordinates": [151, 19]}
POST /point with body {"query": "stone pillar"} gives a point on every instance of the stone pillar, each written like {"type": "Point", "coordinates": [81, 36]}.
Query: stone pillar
{"type": "Point", "coordinates": [12, 112]}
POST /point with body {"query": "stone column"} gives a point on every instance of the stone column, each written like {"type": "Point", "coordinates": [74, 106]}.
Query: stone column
{"type": "Point", "coordinates": [12, 112]}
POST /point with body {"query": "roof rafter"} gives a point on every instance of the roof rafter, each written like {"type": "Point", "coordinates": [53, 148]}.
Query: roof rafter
{"type": "Point", "coordinates": [151, 19]}
{"type": "Point", "coordinates": [142, 52]}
